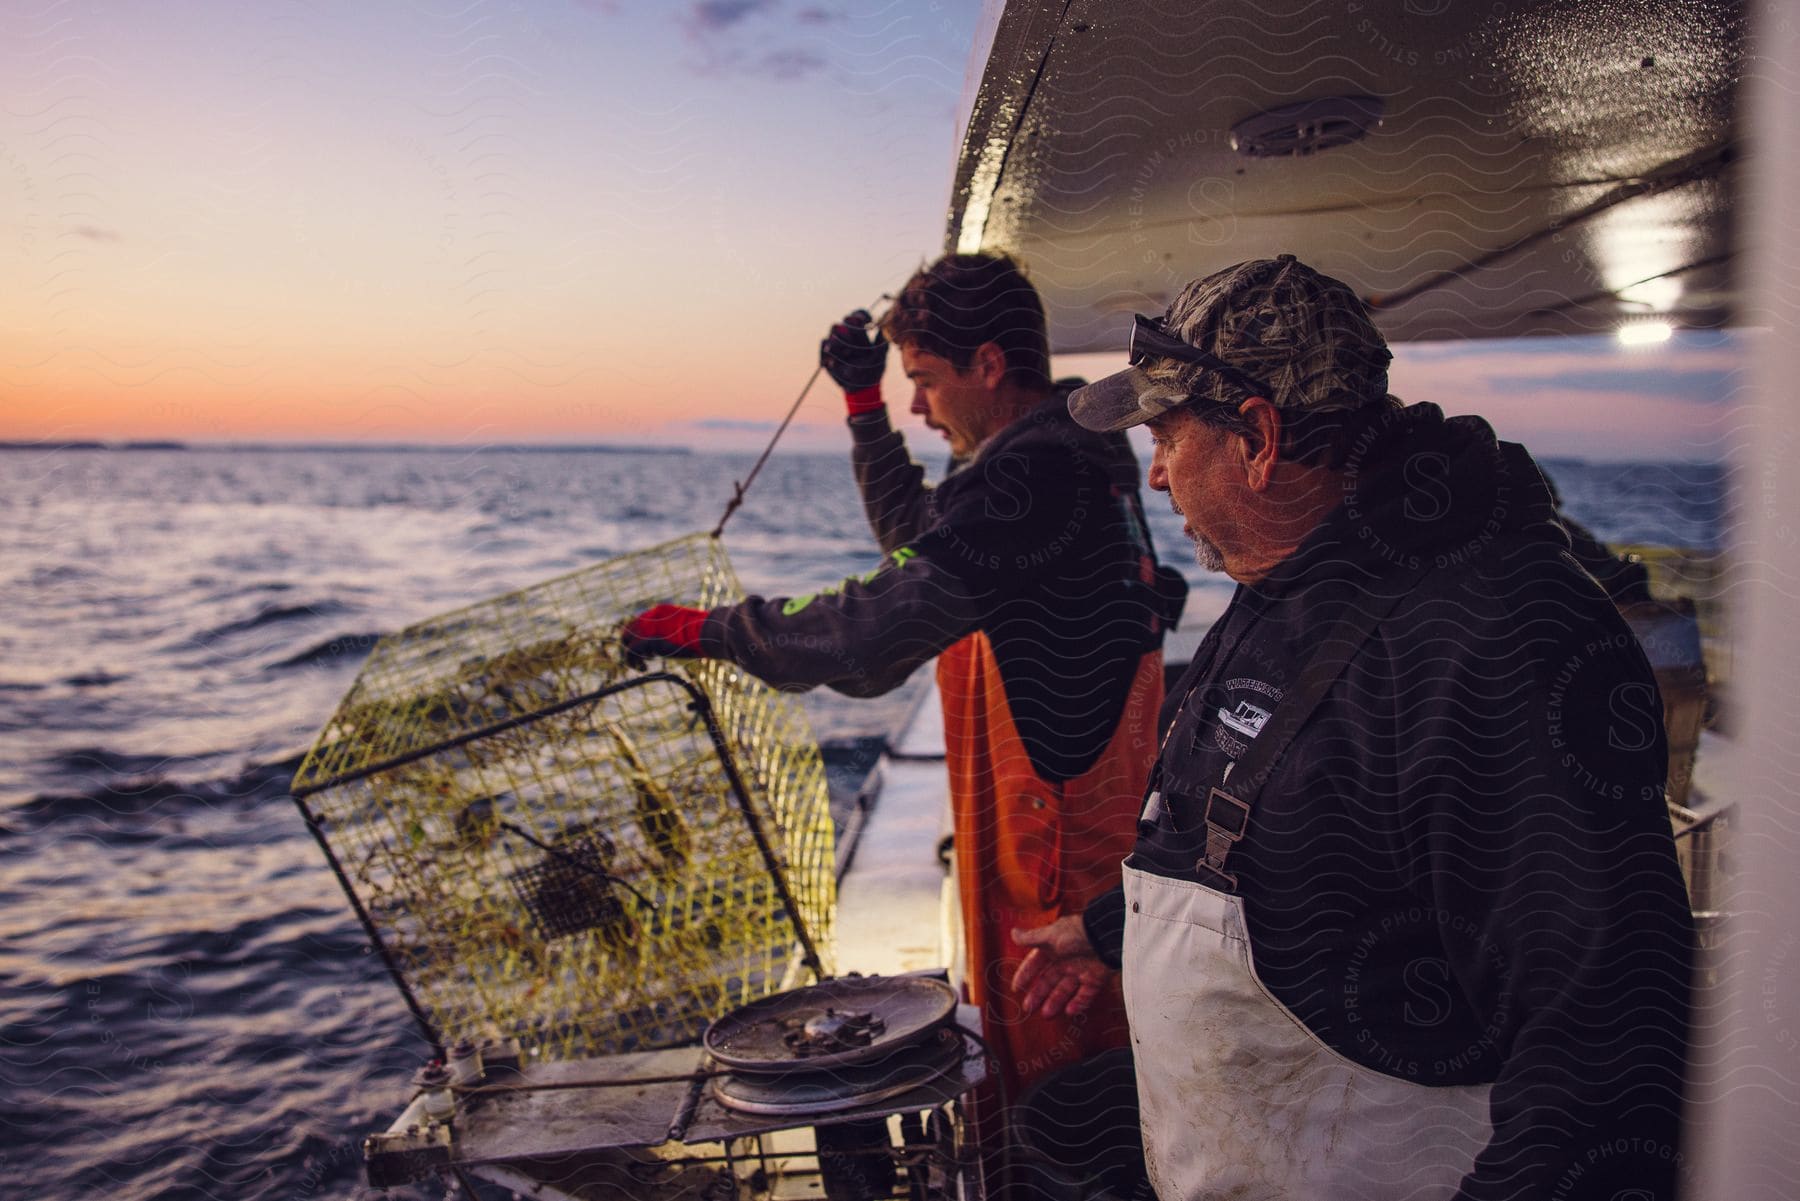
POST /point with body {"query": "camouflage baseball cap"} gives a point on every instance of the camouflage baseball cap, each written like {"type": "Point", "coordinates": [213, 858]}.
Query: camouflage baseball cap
{"type": "Point", "coordinates": [1269, 327]}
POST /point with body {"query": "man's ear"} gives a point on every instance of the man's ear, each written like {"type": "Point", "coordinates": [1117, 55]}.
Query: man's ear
{"type": "Point", "coordinates": [989, 364]}
{"type": "Point", "coordinates": [1262, 445]}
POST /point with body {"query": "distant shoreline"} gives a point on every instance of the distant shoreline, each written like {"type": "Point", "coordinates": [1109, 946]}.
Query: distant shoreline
{"type": "Point", "coordinates": [1549, 461]}
{"type": "Point", "coordinates": [351, 447]}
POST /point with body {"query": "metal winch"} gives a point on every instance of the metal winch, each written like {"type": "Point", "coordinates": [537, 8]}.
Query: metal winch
{"type": "Point", "coordinates": [831, 1031]}
{"type": "Point", "coordinates": [847, 1088]}
{"type": "Point", "coordinates": [836, 1046]}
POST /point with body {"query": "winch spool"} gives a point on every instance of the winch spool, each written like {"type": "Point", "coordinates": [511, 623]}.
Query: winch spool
{"type": "Point", "coordinates": [813, 1093]}
{"type": "Point", "coordinates": [835, 1046]}
{"type": "Point", "coordinates": [836, 1023]}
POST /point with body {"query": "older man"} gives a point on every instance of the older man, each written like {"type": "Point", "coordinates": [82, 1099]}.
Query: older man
{"type": "Point", "coordinates": [1404, 917]}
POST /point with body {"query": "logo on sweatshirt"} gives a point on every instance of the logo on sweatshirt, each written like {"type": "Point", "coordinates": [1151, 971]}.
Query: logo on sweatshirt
{"type": "Point", "coordinates": [1246, 719]}
{"type": "Point", "coordinates": [1240, 709]}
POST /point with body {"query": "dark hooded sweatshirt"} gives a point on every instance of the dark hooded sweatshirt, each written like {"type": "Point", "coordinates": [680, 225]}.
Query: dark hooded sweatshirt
{"type": "Point", "coordinates": [1038, 541]}
{"type": "Point", "coordinates": [1461, 870]}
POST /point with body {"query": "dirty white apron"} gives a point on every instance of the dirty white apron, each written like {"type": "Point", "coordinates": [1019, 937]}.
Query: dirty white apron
{"type": "Point", "coordinates": [1241, 1101]}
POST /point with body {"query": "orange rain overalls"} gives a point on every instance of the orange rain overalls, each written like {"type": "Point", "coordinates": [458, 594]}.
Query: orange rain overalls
{"type": "Point", "coordinates": [1028, 851]}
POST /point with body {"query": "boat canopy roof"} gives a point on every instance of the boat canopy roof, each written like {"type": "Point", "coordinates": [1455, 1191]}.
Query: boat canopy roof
{"type": "Point", "coordinates": [1476, 169]}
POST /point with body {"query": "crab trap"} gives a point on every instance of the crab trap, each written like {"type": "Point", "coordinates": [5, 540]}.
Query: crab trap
{"type": "Point", "coordinates": [547, 844]}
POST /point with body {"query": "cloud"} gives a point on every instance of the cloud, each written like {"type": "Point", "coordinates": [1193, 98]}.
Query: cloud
{"type": "Point", "coordinates": [1588, 396]}
{"type": "Point", "coordinates": [711, 16]}
{"type": "Point", "coordinates": [734, 423]}
{"type": "Point", "coordinates": [792, 63]}
{"type": "Point", "coordinates": [1571, 346]}
{"type": "Point", "coordinates": [1703, 386]}
{"type": "Point", "coordinates": [721, 29]}
{"type": "Point", "coordinates": [95, 233]}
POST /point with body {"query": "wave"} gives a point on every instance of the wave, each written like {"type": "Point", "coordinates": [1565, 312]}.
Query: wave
{"type": "Point", "coordinates": [94, 679]}
{"type": "Point", "coordinates": [138, 784]}
{"type": "Point", "coordinates": [129, 796]}
{"type": "Point", "coordinates": [334, 649]}
{"type": "Point", "coordinates": [98, 761]}
{"type": "Point", "coordinates": [270, 615]}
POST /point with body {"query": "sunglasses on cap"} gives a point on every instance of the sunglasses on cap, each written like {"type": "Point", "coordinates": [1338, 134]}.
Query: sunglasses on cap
{"type": "Point", "coordinates": [1150, 339]}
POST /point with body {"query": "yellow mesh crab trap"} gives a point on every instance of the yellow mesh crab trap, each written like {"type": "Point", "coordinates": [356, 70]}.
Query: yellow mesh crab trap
{"type": "Point", "coordinates": [545, 842]}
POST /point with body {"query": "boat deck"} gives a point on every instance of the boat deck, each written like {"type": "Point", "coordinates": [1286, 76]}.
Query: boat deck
{"type": "Point", "coordinates": [892, 898]}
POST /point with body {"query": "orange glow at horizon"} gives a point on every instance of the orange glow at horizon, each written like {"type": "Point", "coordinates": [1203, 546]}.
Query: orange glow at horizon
{"type": "Point", "coordinates": [585, 225]}
{"type": "Point", "coordinates": [353, 226]}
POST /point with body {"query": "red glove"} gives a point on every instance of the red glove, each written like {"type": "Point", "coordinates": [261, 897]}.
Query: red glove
{"type": "Point", "coordinates": [664, 631]}
{"type": "Point", "coordinates": [866, 401]}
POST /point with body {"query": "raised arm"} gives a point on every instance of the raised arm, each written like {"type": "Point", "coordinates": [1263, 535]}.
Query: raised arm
{"type": "Point", "coordinates": [894, 492]}
{"type": "Point", "coordinates": [895, 496]}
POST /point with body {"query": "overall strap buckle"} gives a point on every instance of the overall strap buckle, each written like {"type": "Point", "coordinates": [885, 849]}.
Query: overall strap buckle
{"type": "Point", "coordinates": [1226, 820]}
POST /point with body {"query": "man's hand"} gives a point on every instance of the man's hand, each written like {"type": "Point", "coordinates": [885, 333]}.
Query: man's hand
{"type": "Point", "coordinates": [663, 631]}
{"type": "Point", "coordinates": [1061, 973]}
{"type": "Point", "coordinates": [855, 359]}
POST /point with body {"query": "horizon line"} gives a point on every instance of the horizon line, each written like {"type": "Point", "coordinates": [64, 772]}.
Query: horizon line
{"type": "Point", "coordinates": [119, 445]}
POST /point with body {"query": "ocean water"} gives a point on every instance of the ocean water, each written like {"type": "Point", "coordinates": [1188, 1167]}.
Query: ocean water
{"type": "Point", "coordinates": [187, 1005]}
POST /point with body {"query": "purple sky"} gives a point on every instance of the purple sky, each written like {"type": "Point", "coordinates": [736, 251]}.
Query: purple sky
{"type": "Point", "coordinates": [565, 220]}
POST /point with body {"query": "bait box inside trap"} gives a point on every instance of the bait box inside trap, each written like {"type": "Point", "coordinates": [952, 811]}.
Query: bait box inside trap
{"type": "Point", "coordinates": [547, 843]}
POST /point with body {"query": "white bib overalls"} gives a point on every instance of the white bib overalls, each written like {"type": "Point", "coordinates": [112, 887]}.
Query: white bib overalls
{"type": "Point", "coordinates": [1241, 1102]}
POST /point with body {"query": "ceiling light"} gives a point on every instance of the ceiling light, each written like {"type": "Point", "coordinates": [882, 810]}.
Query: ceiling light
{"type": "Point", "coordinates": [1644, 333]}
{"type": "Point", "coordinates": [1307, 127]}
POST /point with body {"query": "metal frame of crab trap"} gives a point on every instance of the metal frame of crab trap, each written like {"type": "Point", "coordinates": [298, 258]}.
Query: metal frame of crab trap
{"type": "Point", "coordinates": [699, 703]}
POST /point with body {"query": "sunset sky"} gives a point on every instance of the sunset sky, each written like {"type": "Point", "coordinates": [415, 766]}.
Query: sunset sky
{"type": "Point", "coordinates": [542, 221]}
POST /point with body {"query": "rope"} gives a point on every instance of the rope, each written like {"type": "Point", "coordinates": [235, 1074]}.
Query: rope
{"type": "Point", "coordinates": [738, 489]}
